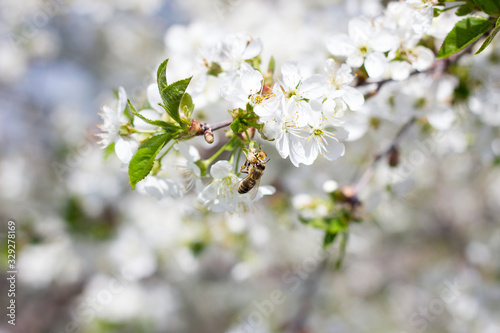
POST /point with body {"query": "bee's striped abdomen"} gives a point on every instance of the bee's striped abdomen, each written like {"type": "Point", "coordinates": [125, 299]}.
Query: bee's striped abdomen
{"type": "Point", "coordinates": [246, 185]}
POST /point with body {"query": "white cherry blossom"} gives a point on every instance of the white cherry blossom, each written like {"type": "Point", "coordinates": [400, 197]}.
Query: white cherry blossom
{"type": "Point", "coordinates": [339, 79]}
{"type": "Point", "coordinates": [299, 91]}
{"type": "Point", "coordinates": [324, 139]}
{"type": "Point", "coordinates": [364, 44]}
{"type": "Point", "coordinates": [125, 147]}
{"type": "Point", "coordinates": [237, 48]}
{"type": "Point", "coordinates": [244, 88]}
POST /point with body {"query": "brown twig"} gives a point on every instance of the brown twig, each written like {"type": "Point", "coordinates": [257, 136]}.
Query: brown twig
{"type": "Point", "coordinates": [299, 323]}
{"type": "Point", "coordinates": [369, 171]}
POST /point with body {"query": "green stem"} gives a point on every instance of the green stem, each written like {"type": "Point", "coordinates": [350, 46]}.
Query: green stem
{"type": "Point", "coordinates": [166, 151]}
{"type": "Point", "coordinates": [223, 148]}
{"type": "Point", "coordinates": [237, 160]}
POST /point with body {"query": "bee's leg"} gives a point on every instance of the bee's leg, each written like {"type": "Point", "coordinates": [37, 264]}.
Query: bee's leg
{"type": "Point", "coordinates": [244, 167]}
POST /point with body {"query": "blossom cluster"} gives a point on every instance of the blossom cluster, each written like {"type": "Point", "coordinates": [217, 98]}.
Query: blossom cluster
{"type": "Point", "coordinates": [299, 108]}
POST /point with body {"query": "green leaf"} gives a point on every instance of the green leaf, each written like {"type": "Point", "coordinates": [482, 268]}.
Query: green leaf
{"type": "Point", "coordinates": [465, 9]}
{"type": "Point", "coordinates": [172, 96]}
{"type": "Point", "coordinates": [337, 224]}
{"type": "Point", "coordinates": [109, 150]}
{"type": "Point", "coordinates": [169, 127]}
{"type": "Point", "coordinates": [490, 7]}
{"type": "Point", "coordinates": [463, 33]}
{"type": "Point", "coordinates": [328, 239]}
{"type": "Point", "coordinates": [187, 105]}
{"type": "Point", "coordinates": [271, 66]}
{"type": "Point", "coordinates": [144, 158]}
{"type": "Point", "coordinates": [161, 76]}
{"type": "Point", "coordinates": [490, 37]}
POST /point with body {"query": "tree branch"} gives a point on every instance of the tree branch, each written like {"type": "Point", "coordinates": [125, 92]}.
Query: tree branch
{"type": "Point", "coordinates": [298, 323]}
{"type": "Point", "coordinates": [369, 171]}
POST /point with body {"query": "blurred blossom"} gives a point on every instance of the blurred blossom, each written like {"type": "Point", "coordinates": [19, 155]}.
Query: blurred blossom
{"type": "Point", "coordinates": [157, 259]}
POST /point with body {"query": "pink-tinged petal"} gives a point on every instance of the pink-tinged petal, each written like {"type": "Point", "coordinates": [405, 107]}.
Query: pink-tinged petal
{"type": "Point", "coordinates": [125, 148]}
{"type": "Point", "coordinates": [154, 98]}
{"type": "Point", "coordinates": [221, 169]}
{"type": "Point", "coordinates": [334, 149]}
{"type": "Point", "coordinates": [122, 100]}
{"type": "Point", "coordinates": [375, 64]}
{"type": "Point", "coordinates": [282, 145]}
{"type": "Point", "coordinates": [340, 45]}
{"type": "Point", "coordinates": [352, 97]}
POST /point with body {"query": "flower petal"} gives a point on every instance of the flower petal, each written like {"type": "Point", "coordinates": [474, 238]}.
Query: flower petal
{"type": "Point", "coordinates": [335, 149]}
{"type": "Point", "coordinates": [375, 64]}
{"type": "Point", "coordinates": [122, 100]}
{"type": "Point", "coordinates": [251, 82]}
{"type": "Point", "coordinates": [282, 145]}
{"type": "Point", "coordinates": [291, 74]}
{"type": "Point", "coordinates": [340, 45]}
{"type": "Point", "coordinates": [125, 149]}
{"type": "Point", "coordinates": [253, 49]}
{"type": "Point", "coordinates": [154, 98]}
{"type": "Point", "coordinates": [221, 169]}
{"type": "Point", "coordinates": [352, 97]}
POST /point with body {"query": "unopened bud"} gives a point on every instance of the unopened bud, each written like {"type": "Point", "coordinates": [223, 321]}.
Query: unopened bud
{"type": "Point", "coordinates": [196, 127]}
{"type": "Point", "coordinates": [251, 133]}
{"type": "Point", "coordinates": [394, 157]}
{"type": "Point", "coordinates": [209, 137]}
{"type": "Point", "coordinates": [345, 193]}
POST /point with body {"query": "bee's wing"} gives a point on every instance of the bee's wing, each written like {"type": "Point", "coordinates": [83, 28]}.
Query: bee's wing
{"type": "Point", "coordinates": [254, 190]}
{"type": "Point", "coordinates": [236, 185]}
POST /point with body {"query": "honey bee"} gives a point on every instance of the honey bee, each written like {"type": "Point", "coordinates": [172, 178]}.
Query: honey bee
{"type": "Point", "coordinates": [254, 166]}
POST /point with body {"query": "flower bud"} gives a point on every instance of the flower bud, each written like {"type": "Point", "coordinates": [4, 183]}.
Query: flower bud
{"type": "Point", "coordinates": [196, 127]}
{"type": "Point", "coordinates": [394, 157]}
{"type": "Point", "coordinates": [209, 136]}
{"type": "Point", "coordinates": [251, 133]}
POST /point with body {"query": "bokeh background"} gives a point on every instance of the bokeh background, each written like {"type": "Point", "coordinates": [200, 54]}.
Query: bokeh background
{"type": "Point", "coordinates": [93, 256]}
